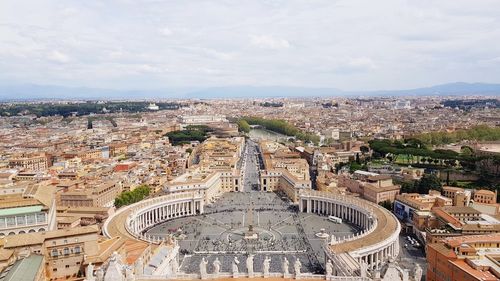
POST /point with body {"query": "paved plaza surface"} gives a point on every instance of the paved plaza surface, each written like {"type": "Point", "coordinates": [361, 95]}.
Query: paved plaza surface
{"type": "Point", "coordinates": [280, 230]}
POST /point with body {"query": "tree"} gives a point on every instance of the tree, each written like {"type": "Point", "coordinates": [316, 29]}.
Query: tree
{"type": "Point", "coordinates": [428, 182]}
{"type": "Point", "coordinates": [354, 166]}
{"type": "Point", "coordinates": [328, 141]}
{"type": "Point", "coordinates": [89, 124]}
{"type": "Point", "coordinates": [130, 197]}
{"type": "Point", "coordinates": [466, 150]}
{"type": "Point", "coordinates": [191, 133]}
{"type": "Point", "coordinates": [364, 149]}
{"type": "Point", "coordinates": [386, 204]}
{"type": "Point", "coordinates": [243, 126]}
{"type": "Point", "coordinates": [408, 187]}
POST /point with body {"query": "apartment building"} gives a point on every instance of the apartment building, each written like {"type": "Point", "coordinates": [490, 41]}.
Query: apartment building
{"type": "Point", "coordinates": [216, 170]}
{"type": "Point", "coordinates": [35, 162]}
{"type": "Point", "coordinates": [454, 221]}
{"type": "Point", "coordinates": [84, 154]}
{"type": "Point", "coordinates": [372, 186]}
{"type": "Point", "coordinates": [116, 149]}
{"type": "Point", "coordinates": [201, 119]}
{"type": "Point", "coordinates": [414, 208]}
{"type": "Point", "coordinates": [464, 258]}
{"type": "Point", "coordinates": [485, 196]}
{"type": "Point", "coordinates": [284, 170]}
{"type": "Point", "coordinates": [92, 194]}
{"type": "Point", "coordinates": [480, 196]}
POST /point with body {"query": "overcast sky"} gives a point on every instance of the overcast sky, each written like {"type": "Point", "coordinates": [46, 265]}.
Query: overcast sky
{"type": "Point", "coordinates": [347, 44]}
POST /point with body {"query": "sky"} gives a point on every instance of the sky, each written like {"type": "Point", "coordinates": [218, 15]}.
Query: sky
{"type": "Point", "coordinates": [345, 44]}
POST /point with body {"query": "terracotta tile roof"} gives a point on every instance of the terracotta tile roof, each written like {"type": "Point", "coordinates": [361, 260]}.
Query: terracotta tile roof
{"type": "Point", "coordinates": [457, 241]}
{"type": "Point", "coordinates": [479, 274]}
{"type": "Point", "coordinates": [133, 250]}
{"type": "Point", "coordinates": [443, 250]}
{"type": "Point", "coordinates": [447, 217]}
{"type": "Point", "coordinates": [484, 192]}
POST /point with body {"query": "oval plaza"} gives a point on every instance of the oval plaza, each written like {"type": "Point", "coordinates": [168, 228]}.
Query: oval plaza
{"type": "Point", "coordinates": [220, 222]}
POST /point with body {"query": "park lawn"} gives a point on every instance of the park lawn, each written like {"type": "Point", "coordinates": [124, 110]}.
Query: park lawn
{"type": "Point", "coordinates": [404, 159]}
{"type": "Point", "coordinates": [463, 183]}
{"type": "Point", "coordinates": [377, 163]}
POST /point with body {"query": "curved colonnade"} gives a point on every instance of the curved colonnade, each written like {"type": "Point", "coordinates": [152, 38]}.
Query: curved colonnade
{"type": "Point", "coordinates": [376, 244]}
{"type": "Point", "coordinates": [131, 221]}
{"type": "Point", "coordinates": [373, 246]}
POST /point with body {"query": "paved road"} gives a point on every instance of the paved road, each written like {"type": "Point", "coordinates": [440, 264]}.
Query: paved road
{"type": "Point", "coordinates": [409, 256]}
{"type": "Point", "coordinates": [250, 167]}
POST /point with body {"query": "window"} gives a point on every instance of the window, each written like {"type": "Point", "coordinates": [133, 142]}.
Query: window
{"type": "Point", "coordinates": [67, 266]}
{"type": "Point", "coordinates": [66, 251]}
{"type": "Point", "coordinates": [40, 217]}
{"type": "Point", "coordinates": [21, 220]}
{"type": "Point", "coordinates": [54, 253]}
{"type": "Point", "coordinates": [11, 221]}
{"type": "Point", "coordinates": [30, 219]}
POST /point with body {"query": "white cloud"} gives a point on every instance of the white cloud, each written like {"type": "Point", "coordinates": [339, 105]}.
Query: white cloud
{"type": "Point", "coordinates": [59, 57]}
{"type": "Point", "coordinates": [348, 44]}
{"type": "Point", "coordinates": [148, 68]}
{"type": "Point", "coordinates": [165, 31]}
{"type": "Point", "coordinates": [269, 42]}
{"type": "Point", "coordinates": [362, 63]}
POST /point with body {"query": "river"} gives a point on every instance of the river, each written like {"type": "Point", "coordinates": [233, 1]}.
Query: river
{"type": "Point", "coordinates": [257, 134]}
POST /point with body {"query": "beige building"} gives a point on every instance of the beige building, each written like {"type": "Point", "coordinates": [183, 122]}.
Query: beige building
{"type": "Point", "coordinates": [485, 196]}
{"type": "Point", "coordinates": [372, 186]}
{"type": "Point", "coordinates": [284, 170]}
{"type": "Point", "coordinates": [380, 188]}
{"type": "Point", "coordinates": [64, 250]}
{"type": "Point", "coordinates": [28, 210]}
{"type": "Point", "coordinates": [100, 194]}
{"type": "Point", "coordinates": [29, 162]}
{"type": "Point", "coordinates": [84, 154]}
{"type": "Point", "coordinates": [116, 149]}
{"type": "Point", "coordinates": [215, 172]}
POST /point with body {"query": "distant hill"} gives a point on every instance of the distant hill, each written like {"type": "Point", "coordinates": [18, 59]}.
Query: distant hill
{"type": "Point", "coordinates": [457, 88]}
{"type": "Point", "coordinates": [264, 92]}
{"type": "Point", "coordinates": [34, 92]}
